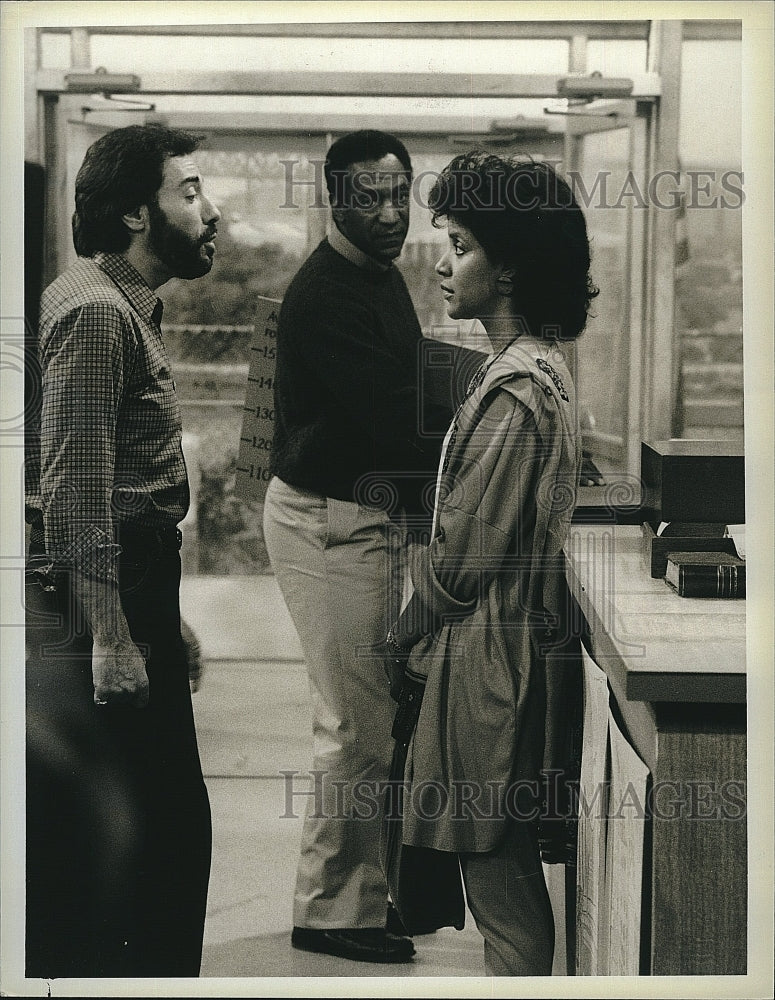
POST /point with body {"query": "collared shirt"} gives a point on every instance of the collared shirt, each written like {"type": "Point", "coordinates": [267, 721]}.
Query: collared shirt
{"type": "Point", "coordinates": [110, 430]}
{"type": "Point", "coordinates": [354, 254]}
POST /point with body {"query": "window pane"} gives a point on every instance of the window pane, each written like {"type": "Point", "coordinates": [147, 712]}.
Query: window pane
{"type": "Point", "coordinates": [208, 324]}
{"type": "Point", "coordinates": [709, 279]}
{"type": "Point", "coordinates": [54, 51]}
{"type": "Point", "coordinates": [602, 353]}
{"type": "Point", "coordinates": [616, 57]}
{"type": "Point", "coordinates": [155, 53]}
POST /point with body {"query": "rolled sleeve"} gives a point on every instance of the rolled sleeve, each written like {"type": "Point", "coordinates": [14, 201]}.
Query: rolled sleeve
{"type": "Point", "coordinates": [85, 358]}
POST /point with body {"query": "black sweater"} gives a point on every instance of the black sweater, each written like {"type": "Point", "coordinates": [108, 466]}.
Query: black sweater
{"type": "Point", "coordinates": [347, 400]}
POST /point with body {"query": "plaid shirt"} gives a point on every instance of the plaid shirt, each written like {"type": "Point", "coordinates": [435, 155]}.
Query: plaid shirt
{"type": "Point", "coordinates": [110, 432]}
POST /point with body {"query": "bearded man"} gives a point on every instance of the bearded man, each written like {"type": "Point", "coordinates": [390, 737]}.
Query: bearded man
{"type": "Point", "coordinates": [118, 816]}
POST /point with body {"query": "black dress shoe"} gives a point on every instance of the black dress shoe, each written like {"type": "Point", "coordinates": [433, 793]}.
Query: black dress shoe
{"type": "Point", "coordinates": [361, 944]}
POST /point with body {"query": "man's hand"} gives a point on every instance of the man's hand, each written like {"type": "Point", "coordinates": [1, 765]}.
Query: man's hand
{"type": "Point", "coordinates": [118, 672]}
{"type": "Point", "coordinates": [193, 652]}
{"type": "Point", "coordinates": [117, 666]}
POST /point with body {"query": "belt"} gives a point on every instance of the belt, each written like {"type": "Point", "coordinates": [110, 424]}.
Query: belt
{"type": "Point", "coordinates": [129, 536]}
{"type": "Point", "coordinates": [37, 536]}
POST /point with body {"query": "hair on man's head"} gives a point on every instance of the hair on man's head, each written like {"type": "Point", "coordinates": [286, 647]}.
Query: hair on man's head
{"type": "Point", "coordinates": [357, 147]}
{"type": "Point", "coordinates": [121, 171]}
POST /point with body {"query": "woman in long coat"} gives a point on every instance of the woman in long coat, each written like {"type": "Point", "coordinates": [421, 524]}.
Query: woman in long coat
{"type": "Point", "coordinates": [489, 591]}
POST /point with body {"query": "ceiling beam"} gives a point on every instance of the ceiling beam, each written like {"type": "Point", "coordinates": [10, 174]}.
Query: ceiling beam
{"type": "Point", "coordinates": [337, 84]}
{"type": "Point", "coordinates": [717, 28]}
{"type": "Point", "coordinates": [311, 124]}
{"type": "Point", "coordinates": [388, 29]}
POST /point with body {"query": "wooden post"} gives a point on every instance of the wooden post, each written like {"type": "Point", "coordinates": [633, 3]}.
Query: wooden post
{"type": "Point", "coordinates": [318, 217]}
{"type": "Point", "coordinates": [33, 139]}
{"type": "Point", "coordinates": [577, 63]}
{"type": "Point", "coordinates": [54, 187]}
{"type": "Point", "coordinates": [661, 372]}
{"type": "Point", "coordinates": [80, 48]}
{"type": "Point", "coordinates": [577, 56]}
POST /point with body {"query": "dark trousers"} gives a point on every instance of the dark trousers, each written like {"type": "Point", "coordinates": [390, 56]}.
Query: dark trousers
{"type": "Point", "coordinates": [118, 816]}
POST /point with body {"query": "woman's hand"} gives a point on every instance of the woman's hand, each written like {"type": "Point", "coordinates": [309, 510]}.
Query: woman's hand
{"type": "Point", "coordinates": [394, 660]}
{"type": "Point", "coordinates": [394, 668]}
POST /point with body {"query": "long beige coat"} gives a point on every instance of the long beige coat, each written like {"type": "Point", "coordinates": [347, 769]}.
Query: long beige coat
{"type": "Point", "coordinates": [503, 510]}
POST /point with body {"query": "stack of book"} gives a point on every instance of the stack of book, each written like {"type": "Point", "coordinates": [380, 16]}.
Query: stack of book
{"type": "Point", "coordinates": [706, 574]}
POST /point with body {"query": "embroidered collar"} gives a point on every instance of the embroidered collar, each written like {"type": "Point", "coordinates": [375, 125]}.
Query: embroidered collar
{"type": "Point", "coordinates": [524, 354]}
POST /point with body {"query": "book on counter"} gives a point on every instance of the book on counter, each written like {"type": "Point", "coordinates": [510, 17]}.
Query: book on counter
{"type": "Point", "coordinates": [706, 574]}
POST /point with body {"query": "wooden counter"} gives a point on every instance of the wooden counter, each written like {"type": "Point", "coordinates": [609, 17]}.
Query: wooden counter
{"type": "Point", "coordinates": [676, 676]}
{"type": "Point", "coordinates": [655, 641]}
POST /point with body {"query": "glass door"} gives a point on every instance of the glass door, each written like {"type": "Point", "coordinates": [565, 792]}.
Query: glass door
{"type": "Point", "coordinates": [70, 132]}
{"type": "Point", "coordinates": [606, 160]}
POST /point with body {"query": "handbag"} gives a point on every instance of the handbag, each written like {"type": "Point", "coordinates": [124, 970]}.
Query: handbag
{"type": "Point", "coordinates": [560, 649]}
{"type": "Point", "coordinates": [425, 885]}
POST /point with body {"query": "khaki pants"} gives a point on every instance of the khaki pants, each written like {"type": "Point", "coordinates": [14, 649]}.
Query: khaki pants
{"type": "Point", "coordinates": [338, 566]}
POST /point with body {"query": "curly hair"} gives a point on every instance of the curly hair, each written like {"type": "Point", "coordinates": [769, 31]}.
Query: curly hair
{"type": "Point", "coordinates": [355, 147]}
{"type": "Point", "coordinates": [122, 170]}
{"type": "Point", "coordinates": [524, 215]}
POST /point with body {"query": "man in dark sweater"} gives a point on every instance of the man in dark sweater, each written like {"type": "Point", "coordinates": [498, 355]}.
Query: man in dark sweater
{"type": "Point", "coordinates": [352, 468]}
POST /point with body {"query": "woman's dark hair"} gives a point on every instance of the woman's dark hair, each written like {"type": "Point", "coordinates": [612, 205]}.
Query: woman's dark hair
{"type": "Point", "coordinates": [355, 147]}
{"type": "Point", "coordinates": [122, 170]}
{"type": "Point", "coordinates": [525, 216]}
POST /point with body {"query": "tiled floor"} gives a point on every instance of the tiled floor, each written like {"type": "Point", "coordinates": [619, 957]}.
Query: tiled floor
{"type": "Point", "coordinates": [253, 720]}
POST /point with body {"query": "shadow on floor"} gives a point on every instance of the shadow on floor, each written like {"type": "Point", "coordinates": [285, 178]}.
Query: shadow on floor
{"type": "Point", "coordinates": [254, 728]}
{"type": "Point", "coordinates": [271, 955]}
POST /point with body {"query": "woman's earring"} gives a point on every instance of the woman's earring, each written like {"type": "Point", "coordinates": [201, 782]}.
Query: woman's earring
{"type": "Point", "coordinates": [505, 286]}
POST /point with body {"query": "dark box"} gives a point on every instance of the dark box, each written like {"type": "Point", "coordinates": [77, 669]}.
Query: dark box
{"type": "Point", "coordinates": [656, 548]}
{"type": "Point", "coordinates": [693, 481]}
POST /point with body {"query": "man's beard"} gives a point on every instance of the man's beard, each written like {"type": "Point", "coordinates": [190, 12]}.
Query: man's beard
{"type": "Point", "coordinates": [178, 251]}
